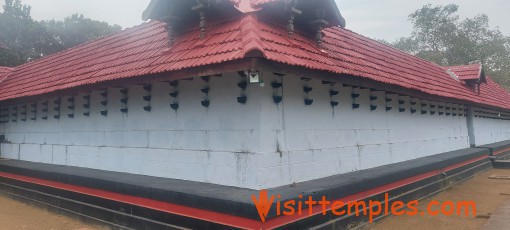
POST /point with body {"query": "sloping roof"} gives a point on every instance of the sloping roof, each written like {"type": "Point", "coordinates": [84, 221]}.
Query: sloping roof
{"type": "Point", "coordinates": [347, 52]}
{"type": "Point", "coordinates": [466, 72]}
{"type": "Point", "coordinates": [491, 93]}
{"type": "Point", "coordinates": [133, 52]}
{"type": "Point", "coordinates": [4, 71]}
{"type": "Point", "coordinates": [120, 55]}
{"type": "Point", "coordinates": [143, 50]}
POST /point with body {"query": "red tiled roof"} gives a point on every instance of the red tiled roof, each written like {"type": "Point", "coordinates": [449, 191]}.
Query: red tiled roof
{"type": "Point", "coordinates": [491, 93]}
{"type": "Point", "coordinates": [350, 53]}
{"type": "Point", "coordinates": [143, 50]}
{"type": "Point", "coordinates": [466, 72]}
{"type": "Point", "coordinates": [120, 55]}
{"type": "Point", "coordinates": [4, 71]}
{"type": "Point", "coordinates": [132, 52]}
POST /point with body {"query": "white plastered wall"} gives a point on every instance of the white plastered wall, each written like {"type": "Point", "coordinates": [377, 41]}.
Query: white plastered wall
{"type": "Point", "coordinates": [215, 144]}
{"type": "Point", "coordinates": [257, 145]}
{"type": "Point", "coordinates": [489, 131]}
{"type": "Point", "coordinates": [318, 141]}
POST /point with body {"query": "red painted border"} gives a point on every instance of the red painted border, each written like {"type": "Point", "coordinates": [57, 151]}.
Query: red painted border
{"type": "Point", "coordinates": [501, 151]}
{"type": "Point", "coordinates": [221, 218]}
{"type": "Point", "coordinates": [283, 220]}
{"type": "Point", "coordinates": [210, 216]}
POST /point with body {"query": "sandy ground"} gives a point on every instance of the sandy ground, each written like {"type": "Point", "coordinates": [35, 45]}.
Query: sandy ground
{"type": "Point", "coordinates": [484, 191]}
{"type": "Point", "coordinates": [16, 215]}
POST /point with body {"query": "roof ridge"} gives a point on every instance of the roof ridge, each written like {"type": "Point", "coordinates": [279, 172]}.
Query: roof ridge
{"type": "Point", "coordinates": [250, 35]}
{"type": "Point", "coordinates": [466, 65]}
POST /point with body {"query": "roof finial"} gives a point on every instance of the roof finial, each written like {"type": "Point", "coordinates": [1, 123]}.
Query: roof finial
{"type": "Point", "coordinates": [203, 25]}
{"type": "Point", "coordinates": [319, 24]}
{"type": "Point", "coordinates": [171, 34]}
{"type": "Point", "coordinates": [290, 27]}
{"type": "Point", "coordinates": [200, 8]}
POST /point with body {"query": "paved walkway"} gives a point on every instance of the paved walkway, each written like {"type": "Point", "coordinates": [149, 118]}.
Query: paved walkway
{"type": "Point", "coordinates": [500, 219]}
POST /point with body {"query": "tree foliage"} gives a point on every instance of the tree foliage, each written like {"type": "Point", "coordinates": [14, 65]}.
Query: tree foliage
{"type": "Point", "coordinates": [77, 29]}
{"type": "Point", "coordinates": [26, 39]}
{"type": "Point", "coordinates": [440, 36]}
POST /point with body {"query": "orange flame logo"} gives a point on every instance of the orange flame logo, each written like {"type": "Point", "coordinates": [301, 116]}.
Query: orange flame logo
{"type": "Point", "coordinates": [263, 204]}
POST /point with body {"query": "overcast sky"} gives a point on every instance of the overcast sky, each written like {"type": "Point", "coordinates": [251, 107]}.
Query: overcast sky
{"type": "Point", "coordinates": [384, 19]}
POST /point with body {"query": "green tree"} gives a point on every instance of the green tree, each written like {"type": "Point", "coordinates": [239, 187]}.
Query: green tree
{"type": "Point", "coordinates": [440, 36]}
{"type": "Point", "coordinates": [26, 39]}
{"type": "Point", "coordinates": [17, 10]}
{"type": "Point", "coordinates": [77, 29]}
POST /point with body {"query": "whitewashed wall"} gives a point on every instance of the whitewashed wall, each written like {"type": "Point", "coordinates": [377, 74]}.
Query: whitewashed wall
{"type": "Point", "coordinates": [490, 130]}
{"type": "Point", "coordinates": [257, 145]}
{"type": "Point", "coordinates": [318, 141]}
{"type": "Point", "coordinates": [215, 144]}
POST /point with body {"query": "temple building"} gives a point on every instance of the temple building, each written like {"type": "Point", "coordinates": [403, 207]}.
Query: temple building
{"type": "Point", "coordinates": [209, 102]}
